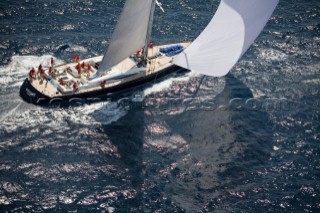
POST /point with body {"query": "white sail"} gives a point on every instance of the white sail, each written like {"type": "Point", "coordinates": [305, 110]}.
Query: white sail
{"type": "Point", "coordinates": [129, 34]}
{"type": "Point", "coordinates": [235, 26]}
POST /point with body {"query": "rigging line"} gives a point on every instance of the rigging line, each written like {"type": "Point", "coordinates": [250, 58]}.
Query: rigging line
{"type": "Point", "coordinates": [11, 112]}
{"type": "Point", "coordinates": [197, 90]}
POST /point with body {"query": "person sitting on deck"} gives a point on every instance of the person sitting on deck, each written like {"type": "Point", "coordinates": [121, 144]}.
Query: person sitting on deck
{"type": "Point", "coordinates": [75, 86]}
{"type": "Point", "coordinates": [139, 52]}
{"type": "Point", "coordinates": [83, 65]}
{"type": "Point", "coordinates": [61, 81]}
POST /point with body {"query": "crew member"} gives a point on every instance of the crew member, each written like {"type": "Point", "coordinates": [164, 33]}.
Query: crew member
{"type": "Point", "coordinates": [31, 73]}
{"type": "Point", "coordinates": [79, 70]}
{"type": "Point", "coordinates": [61, 81]}
{"type": "Point", "coordinates": [50, 71]}
{"type": "Point", "coordinates": [102, 83]}
{"type": "Point", "coordinates": [76, 57]}
{"type": "Point", "coordinates": [151, 44]}
{"type": "Point", "coordinates": [75, 86]}
{"type": "Point", "coordinates": [52, 61]}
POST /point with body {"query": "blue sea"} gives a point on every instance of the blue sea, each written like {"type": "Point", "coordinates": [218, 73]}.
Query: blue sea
{"type": "Point", "coordinates": [246, 142]}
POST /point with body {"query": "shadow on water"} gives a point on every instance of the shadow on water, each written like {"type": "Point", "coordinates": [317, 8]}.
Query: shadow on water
{"type": "Point", "coordinates": [223, 144]}
{"type": "Point", "coordinates": [127, 135]}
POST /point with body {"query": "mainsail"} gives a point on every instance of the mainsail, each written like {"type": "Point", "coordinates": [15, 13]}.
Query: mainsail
{"type": "Point", "coordinates": [235, 26]}
{"type": "Point", "coordinates": [130, 32]}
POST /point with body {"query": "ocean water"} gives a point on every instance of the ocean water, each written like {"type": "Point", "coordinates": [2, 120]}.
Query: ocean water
{"type": "Point", "coordinates": [247, 142]}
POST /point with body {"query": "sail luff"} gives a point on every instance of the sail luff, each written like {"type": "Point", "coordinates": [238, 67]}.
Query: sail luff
{"type": "Point", "coordinates": [230, 33]}
{"type": "Point", "coordinates": [129, 34]}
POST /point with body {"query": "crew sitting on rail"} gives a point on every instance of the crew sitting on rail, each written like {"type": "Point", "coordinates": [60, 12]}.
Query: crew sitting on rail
{"type": "Point", "coordinates": [78, 67]}
{"type": "Point", "coordinates": [76, 58]}
{"type": "Point", "coordinates": [32, 73]}
{"type": "Point", "coordinates": [52, 62]}
{"type": "Point", "coordinates": [40, 72]}
{"type": "Point", "coordinates": [102, 83]}
{"type": "Point", "coordinates": [88, 67]}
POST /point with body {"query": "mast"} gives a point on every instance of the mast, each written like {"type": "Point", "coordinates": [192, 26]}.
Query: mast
{"type": "Point", "coordinates": [148, 36]}
{"type": "Point", "coordinates": [130, 32]}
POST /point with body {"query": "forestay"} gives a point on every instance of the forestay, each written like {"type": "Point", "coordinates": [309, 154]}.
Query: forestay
{"type": "Point", "coordinates": [129, 34]}
{"type": "Point", "coordinates": [235, 26]}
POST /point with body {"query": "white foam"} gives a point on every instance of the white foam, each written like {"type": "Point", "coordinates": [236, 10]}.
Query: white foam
{"type": "Point", "coordinates": [275, 148]}
{"type": "Point", "coordinates": [312, 81]}
{"type": "Point", "coordinates": [60, 118]}
{"type": "Point", "coordinates": [164, 85]}
{"type": "Point", "coordinates": [68, 27]}
{"type": "Point", "coordinates": [272, 55]}
{"type": "Point", "coordinates": [13, 110]}
{"type": "Point", "coordinates": [19, 114]}
{"type": "Point", "coordinates": [77, 48]}
{"type": "Point", "coordinates": [109, 113]}
{"type": "Point", "coordinates": [24, 63]}
{"type": "Point", "coordinates": [15, 72]}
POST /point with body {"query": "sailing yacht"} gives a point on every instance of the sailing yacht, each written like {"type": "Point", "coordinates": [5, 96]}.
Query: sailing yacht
{"type": "Point", "coordinates": [132, 59]}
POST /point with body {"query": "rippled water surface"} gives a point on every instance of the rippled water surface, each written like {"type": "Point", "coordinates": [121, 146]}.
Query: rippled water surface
{"type": "Point", "coordinates": [247, 142]}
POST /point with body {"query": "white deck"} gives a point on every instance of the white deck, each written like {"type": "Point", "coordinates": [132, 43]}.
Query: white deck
{"type": "Point", "coordinates": [50, 86]}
